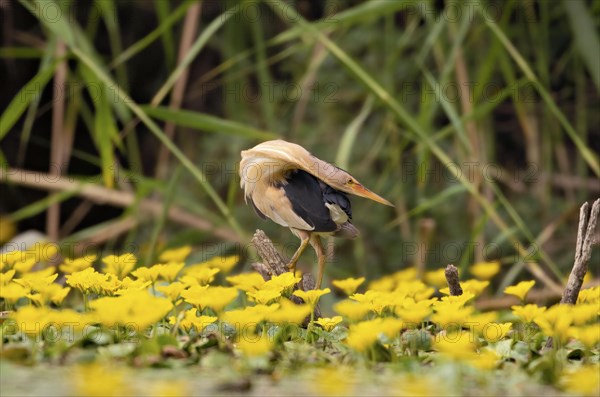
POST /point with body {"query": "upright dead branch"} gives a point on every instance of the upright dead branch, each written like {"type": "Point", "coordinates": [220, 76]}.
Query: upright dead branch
{"type": "Point", "coordinates": [452, 280]}
{"type": "Point", "coordinates": [583, 251]}
{"type": "Point", "coordinates": [273, 265]}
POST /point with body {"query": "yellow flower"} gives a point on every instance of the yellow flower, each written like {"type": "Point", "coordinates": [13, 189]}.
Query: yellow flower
{"type": "Point", "coordinates": [385, 283]}
{"type": "Point", "coordinates": [87, 280]}
{"type": "Point", "coordinates": [528, 313]}
{"type": "Point", "coordinates": [264, 296]}
{"type": "Point", "coordinates": [191, 320]}
{"type": "Point", "coordinates": [169, 271]}
{"type": "Point", "coordinates": [476, 287]}
{"type": "Point", "coordinates": [329, 323]}
{"type": "Point", "coordinates": [247, 319]}
{"type": "Point", "coordinates": [148, 273]}
{"type": "Point", "coordinates": [288, 312]}
{"type": "Point", "coordinates": [451, 315]}
{"type": "Point", "coordinates": [284, 281]}
{"type": "Point", "coordinates": [6, 277]}
{"type": "Point", "coordinates": [120, 265]}
{"type": "Point", "coordinates": [25, 265]}
{"type": "Point", "coordinates": [172, 290]}
{"type": "Point", "coordinates": [312, 296]}
{"type": "Point", "coordinates": [481, 321]}
{"type": "Point", "coordinates": [588, 335]}
{"type": "Point", "coordinates": [437, 278]}
{"type": "Point", "coordinates": [460, 300]}
{"type": "Point", "coordinates": [242, 319]}
{"type": "Point", "coordinates": [494, 332]}
{"type": "Point", "coordinates": [589, 295]}
{"type": "Point", "coordinates": [214, 297]}
{"type": "Point", "coordinates": [390, 326]}
{"type": "Point", "coordinates": [348, 285]}
{"type": "Point", "coordinates": [486, 360]}
{"type": "Point", "coordinates": [9, 258]}
{"type": "Point", "coordinates": [76, 265]}
{"type": "Point", "coordinates": [378, 301]}
{"type": "Point", "coordinates": [556, 321]}
{"type": "Point", "coordinates": [520, 290]}
{"type": "Point", "coordinates": [37, 281]}
{"type": "Point", "coordinates": [247, 281]}
{"type": "Point", "coordinates": [201, 322]}
{"type": "Point", "coordinates": [585, 380]}
{"type": "Point", "coordinates": [485, 270]}
{"type": "Point", "coordinates": [128, 285]}
{"type": "Point", "coordinates": [195, 295]}
{"type": "Point", "coordinates": [101, 380]}
{"type": "Point", "coordinates": [583, 313]}
{"type": "Point", "coordinates": [203, 275]}
{"type": "Point", "coordinates": [253, 346]}
{"type": "Point", "coordinates": [456, 345]}
{"type": "Point", "coordinates": [224, 263]}
{"type": "Point", "coordinates": [12, 292]}
{"type": "Point", "coordinates": [136, 310]}
{"type": "Point", "coordinates": [409, 274]}
{"type": "Point", "coordinates": [362, 336]}
{"type": "Point", "coordinates": [413, 312]}
{"type": "Point", "coordinates": [414, 289]}
{"type": "Point", "coordinates": [31, 320]}
{"type": "Point", "coordinates": [44, 252]}
{"type": "Point", "coordinates": [175, 254]}
{"type": "Point", "coordinates": [353, 311]}
{"type": "Point", "coordinates": [51, 293]}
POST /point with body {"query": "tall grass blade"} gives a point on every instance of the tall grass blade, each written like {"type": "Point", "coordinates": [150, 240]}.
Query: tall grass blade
{"type": "Point", "coordinates": [30, 92]}
{"type": "Point", "coordinates": [586, 37]}
{"type": "Point", "coordinates": [205, 122]}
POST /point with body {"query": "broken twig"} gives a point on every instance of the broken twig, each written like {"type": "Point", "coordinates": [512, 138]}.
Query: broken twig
{"type": "Point", "coordinates": [452, 280]}
{"type": "Point", "coordinates": [583, 251]}
{"type": "Point", "coordinates": [273, 265]}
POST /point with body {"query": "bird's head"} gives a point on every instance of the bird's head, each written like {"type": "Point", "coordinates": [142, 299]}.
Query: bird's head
{"type": "Point", "coordinates": [343, 181]}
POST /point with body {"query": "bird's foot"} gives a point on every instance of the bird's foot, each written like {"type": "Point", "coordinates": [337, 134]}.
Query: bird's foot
{"type": "Point", "coordinates": [292, 267]}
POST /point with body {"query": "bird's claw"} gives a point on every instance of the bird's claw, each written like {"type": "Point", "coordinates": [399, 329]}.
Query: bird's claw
{"type": "Point", "coordinates": [292, 267]}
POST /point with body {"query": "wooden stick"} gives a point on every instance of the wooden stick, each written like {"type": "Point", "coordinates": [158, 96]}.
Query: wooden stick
{"type": "Point", "coordinates": [273, 265]}
{"type": "Point", "coordinates": [118, 198]}
{"type": "Point", "coordinates": [583, 251]}
{"type": "Point", "coordinates": [451, 273]}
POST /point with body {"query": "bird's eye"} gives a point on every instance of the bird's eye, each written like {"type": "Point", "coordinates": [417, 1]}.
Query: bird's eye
{"type": "Point", "coordinates": [349, 181]}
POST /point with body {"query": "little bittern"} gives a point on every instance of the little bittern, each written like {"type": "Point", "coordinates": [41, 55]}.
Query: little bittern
{"type": "Point", "coordinates": [295, 189]}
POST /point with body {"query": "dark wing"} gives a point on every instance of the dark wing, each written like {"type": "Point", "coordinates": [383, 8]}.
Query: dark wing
{"type": "Point", "coordinates": [304, 192]}
{"type": "Point", "coordinates": [332, 196]}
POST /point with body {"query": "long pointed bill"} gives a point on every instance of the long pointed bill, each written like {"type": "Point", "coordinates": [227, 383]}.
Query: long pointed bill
{"type": "Point", "coordinates": [362, 191]}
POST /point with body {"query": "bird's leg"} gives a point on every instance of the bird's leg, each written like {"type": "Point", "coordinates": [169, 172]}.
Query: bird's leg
{"type": "Point", "coordinates": [317, 244]}
{"type": "Point", "coordinates": [304, 240]}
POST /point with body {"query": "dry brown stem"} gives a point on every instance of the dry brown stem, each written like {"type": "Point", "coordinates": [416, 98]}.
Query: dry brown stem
{"type": "Point", "coordinates": [118, 198]}
{"type": "Point", "coordinates": [452, 280]}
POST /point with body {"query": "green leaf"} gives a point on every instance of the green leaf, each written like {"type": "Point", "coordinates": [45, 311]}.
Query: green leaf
{"type": "Point", "coordinates": [105, 129]}
{"type": "Point", "coordinates": [586, 38]}
{"type": "Point", "coordinates": [31, 90]}
{"type": "Point", "coordinates": [351, 132]}
{"type": "Point", "coordinates": [205, 122]}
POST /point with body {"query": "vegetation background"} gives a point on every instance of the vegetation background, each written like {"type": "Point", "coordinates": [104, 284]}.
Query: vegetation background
{"type": "Point", "coordinates": [479, 120]}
